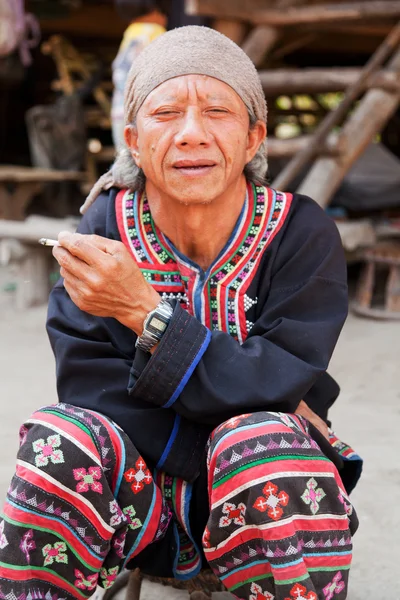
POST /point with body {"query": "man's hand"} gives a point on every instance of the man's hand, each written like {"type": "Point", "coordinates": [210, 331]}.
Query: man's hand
{"type": "Point", "coordinates": [305, 411]}
{"type": "Point", "coordinates": [102, 279]}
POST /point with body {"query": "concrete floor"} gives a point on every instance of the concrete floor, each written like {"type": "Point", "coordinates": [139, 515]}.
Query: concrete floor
{"type": "Point", "coordinates": [365, 363]}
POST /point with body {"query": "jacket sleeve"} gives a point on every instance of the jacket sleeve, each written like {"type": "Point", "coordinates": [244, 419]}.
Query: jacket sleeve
{"type": "Point", "coordinates": [209, 377]}
{"type": "Point", "coordinates": [93, 363]}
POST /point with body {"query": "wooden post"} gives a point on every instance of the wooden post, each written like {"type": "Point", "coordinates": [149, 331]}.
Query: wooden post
{"type": "Point", "coordinates": [369, 118]}
{"type": "Point", "coordinates": [259, 42]}
{"type": "Point", "coordinates": [234, 29]}
{"type": "Point", "coordinates": [253, 12]}
{"type": "Point", "coordinates": [335, 117]}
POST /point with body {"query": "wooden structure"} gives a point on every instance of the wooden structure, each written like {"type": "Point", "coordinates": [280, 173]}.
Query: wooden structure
{"type": "Point", "coordinates": [30, 263]}
{"type": "Point", "coordinates": [270, 30]}
{"type": "Point", "coordinates": [378, 291]}
{"type": "Point", "coordinates": [18, 185]}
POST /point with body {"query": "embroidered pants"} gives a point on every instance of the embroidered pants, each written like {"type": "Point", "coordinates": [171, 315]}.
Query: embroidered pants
{"type": "Point", "coordinates": [82, 504]}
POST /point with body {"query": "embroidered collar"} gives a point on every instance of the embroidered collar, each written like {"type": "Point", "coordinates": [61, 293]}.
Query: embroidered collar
{"type": "Point", "coordinates": [216, 297]}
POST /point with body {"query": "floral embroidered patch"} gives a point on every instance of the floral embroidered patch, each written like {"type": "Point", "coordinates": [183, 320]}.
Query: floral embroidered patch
{"type": "Point", "coordinates": [272, 501]}
{"type": "Point", "coordinates": [334, 588]}
{"type": "Point", "coordinates": [233, 514]}
{"type": "Point", "coordinates": [299, 592]}
{"type": "Point", "coordinates": [313, 495]}
{"type": "Point", "coordinates": [88, 479]}
{"type": "Point", "coordinates": [85, 583]}
{"type": "Point", "coordinates": [55, 553]}
{"type": "Point", "coordinates": [257, 593]}
{"type": "Point", "coordinates": [48, 450]}
{"type": "Point", "coordinates": [3, 539]}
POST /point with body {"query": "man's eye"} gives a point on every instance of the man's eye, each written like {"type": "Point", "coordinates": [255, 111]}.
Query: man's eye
{"type": "Point", "coordinates": [167, 112]}
{"type": "Point", "coordinates": [218, 110]}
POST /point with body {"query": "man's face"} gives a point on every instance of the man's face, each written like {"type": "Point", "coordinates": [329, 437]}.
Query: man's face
{"type": "Point", "coordinates": [192, 138]}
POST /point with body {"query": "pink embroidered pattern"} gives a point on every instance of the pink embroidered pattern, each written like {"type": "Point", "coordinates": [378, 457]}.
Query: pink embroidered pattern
{"type": "Point", "coordinates": [313, 495]}
{"type": "Point", "coordinates": [48, 450]}
{"type": "Point", "coordinates": [134, 522]}
{"type": "Point", "coordinates": [334, 588]}
{"type": "Point", "coordinates": [56, 552]}
{"type": "Point", "coordinates": [83, 583]}
{"type": "Point", "coordinates": [88, 479]}
{"type": "Point", "coordinates": [3, 539]}
{"type": "Point", "coordinates": [108, 576]}
{"type": "Point", "coordinates": [27, 544]}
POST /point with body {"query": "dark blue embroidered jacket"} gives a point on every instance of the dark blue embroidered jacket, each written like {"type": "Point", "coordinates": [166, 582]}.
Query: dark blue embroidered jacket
{"type": "Point", "coordinates": [168, 404]}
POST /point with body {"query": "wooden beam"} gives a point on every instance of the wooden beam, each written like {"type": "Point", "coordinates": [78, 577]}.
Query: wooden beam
{"type": "Point", "coordinates": [276, 82]}
{"type": "Point", "coordinates": [369, 118]}
{"type": "Point", "coordinates": [335, 118]}
{"type": "Point", "coordinates": [324, 13]}
{"type": "Point", "coordinates": [286, 148]}
{"type": "Point", "coordinates": [259, 42]}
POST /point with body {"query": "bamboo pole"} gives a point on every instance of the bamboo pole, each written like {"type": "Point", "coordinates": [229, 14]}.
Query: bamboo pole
{"type": "Point", "coordinates": [335, 117]}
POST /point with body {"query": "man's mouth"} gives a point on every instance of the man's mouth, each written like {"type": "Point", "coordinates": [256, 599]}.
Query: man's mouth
{"type": "Point", "coordinates": [194, 166]}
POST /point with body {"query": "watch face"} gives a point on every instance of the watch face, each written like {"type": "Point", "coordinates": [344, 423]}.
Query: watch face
{"type": "Point", "coordinates": [157, 325]}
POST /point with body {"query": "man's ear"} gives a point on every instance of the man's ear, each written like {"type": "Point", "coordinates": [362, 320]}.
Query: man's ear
{"type": "Point", "coordinates": [131, 140]}
{"type": "Point", "coordinates": [256, 136]}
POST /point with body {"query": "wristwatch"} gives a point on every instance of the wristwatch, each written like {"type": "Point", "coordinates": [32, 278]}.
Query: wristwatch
{"type": "Point", "coordinates": [154, 326]}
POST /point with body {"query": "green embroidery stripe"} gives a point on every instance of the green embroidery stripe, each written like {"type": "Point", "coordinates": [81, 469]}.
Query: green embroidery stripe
{"type": "Point", "coordinates": [32, 568]}
{"type": "Point", "coordinates": [342, 568]}
{"type": "Point", "coordinates": [38, 528]}
{"type": "Point", "coordinates": [173, 498]}
{"type": "Point", "coordinates": [70, 419]}
{"type": "Point", "coordinates": [268, 576]}
{"type": "Point", "coordinates": [158, 240]}
{"type": "Point", "coordinates": [261, 461]}
{"type": "Point", "coordinates": [157, 272]}
{"type": "Point", "coordinates": [244, 237]}
{"type": "Point", "coordinates": [289, 581]}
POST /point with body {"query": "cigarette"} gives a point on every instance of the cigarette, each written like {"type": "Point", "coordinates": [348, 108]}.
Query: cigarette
{"type": "Point", "coordinates": [48, 242]}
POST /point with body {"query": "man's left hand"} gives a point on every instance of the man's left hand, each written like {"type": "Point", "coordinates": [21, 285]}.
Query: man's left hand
{"type": "Point", "coordinates": [305, 411]}
{"type": "Point", "coordinates": [102, 279]}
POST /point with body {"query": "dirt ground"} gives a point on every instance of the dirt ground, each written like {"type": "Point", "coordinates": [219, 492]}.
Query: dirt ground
{"type": "Point", "coordinates": [367, 415]}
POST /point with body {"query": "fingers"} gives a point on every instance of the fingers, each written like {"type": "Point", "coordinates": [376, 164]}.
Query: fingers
{"type": "Point", "coordinates": [88, 248]}
{"type": "Point", "coordinates": [82, 293]}
{"type": "Point", "coordinates": [80, 270]}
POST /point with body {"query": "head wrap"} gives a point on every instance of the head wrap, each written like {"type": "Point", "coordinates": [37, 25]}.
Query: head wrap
{"type": "Point", "coordinates": [185, 51]}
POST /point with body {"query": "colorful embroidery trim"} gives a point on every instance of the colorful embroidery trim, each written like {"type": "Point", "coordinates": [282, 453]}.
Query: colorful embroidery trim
{"type": "Point", "coordinates": [217, 297]}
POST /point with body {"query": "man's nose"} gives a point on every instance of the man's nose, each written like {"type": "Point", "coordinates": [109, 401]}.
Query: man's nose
{"type": "Point", "coordinates": [192, 130]}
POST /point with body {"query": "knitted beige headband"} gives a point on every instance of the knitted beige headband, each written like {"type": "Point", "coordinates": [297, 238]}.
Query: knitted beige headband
{"type": "Point", "coordinates": [185, 51]}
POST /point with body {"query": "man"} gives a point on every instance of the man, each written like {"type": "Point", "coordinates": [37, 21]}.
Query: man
{"type": "Point", "coordinates": [192, 328]}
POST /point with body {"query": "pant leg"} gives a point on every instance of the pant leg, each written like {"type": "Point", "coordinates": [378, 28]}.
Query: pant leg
{"type": "Point", "coordinates": [280, 523]}
{"type": "Point", "coordinates": [80, 505]}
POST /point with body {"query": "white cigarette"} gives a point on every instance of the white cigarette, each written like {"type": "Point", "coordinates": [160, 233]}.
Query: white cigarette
{"type": "Point", "coordinates": [48, 242]}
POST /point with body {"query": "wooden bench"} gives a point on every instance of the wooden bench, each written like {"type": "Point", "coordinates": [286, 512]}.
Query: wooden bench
{"type": "Point", "coordinates": [18, 185]}
{"type": "Point", "coordinates": [378, 289]}
{"type": "Point", "coordinates": [31, 263]}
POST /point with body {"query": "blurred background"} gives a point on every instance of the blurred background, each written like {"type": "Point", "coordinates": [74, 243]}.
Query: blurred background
{"type": "Point", "coordinates": [331, 76]}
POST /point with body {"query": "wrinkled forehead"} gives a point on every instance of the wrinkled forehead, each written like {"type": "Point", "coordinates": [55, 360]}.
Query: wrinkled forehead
{"type": "Point", "coordinates": [192, 88]}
